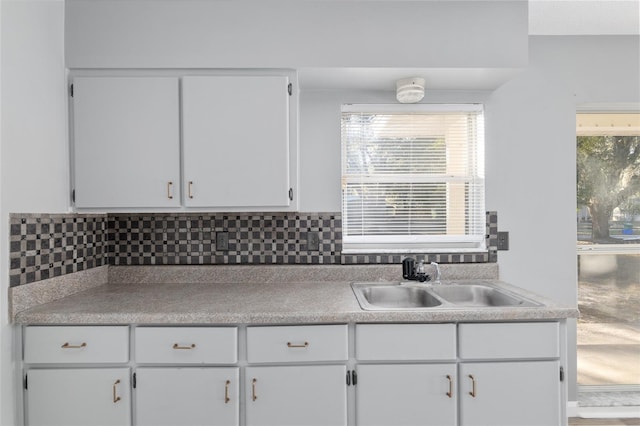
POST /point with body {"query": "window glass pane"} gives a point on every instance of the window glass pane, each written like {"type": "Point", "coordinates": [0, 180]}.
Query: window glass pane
{"type": "Point", "coordinates": [608, 218]}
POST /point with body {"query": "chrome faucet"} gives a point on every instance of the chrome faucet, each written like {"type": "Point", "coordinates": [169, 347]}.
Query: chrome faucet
{"type": "Point", "coordinates": [437, 275]}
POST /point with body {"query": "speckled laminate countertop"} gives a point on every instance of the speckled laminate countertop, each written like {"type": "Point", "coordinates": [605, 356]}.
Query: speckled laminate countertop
{"type": "Point", "coordinates": [256, 303]}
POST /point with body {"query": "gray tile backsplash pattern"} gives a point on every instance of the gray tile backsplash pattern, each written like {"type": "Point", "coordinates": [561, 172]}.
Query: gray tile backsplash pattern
{"type": "Point", "coordinates": [254, 238]}
{"type": "Point", "coordinates": [48, 245]}
{"type": "Point", "coordinates": [44, 246]}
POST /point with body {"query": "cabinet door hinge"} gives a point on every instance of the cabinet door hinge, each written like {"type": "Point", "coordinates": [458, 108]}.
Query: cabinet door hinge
{"type": "Point", "coordinates": [352, 378]}
{"type": "Point", "coordinates": [134, 380]}
{"type": "Point", "coordinates": [291, 194]}
{"type": "Point", "coordinates": [71, 90]}
{"type": "Point", "coordinates": [290, 89]}
{"type": "Point", "coordinates": [26, 382]}
{"type": "Point", "coordinates": [562, 374]}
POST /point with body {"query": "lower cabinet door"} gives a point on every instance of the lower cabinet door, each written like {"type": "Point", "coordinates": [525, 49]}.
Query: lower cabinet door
{"type": "Point", "coordinates": [296, 396]}
{"type": "Point", "coordinates": [406, 395]}
{"type": "Point", "coordinates": [510, 393]}
{"type": "Point", "coordinates": [78, 397]}
{"type": "Point", "coordinates": [187, 396]}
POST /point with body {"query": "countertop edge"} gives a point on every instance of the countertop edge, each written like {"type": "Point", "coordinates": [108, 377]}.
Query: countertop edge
{"type": "Point", "coordinates": [260, 304]}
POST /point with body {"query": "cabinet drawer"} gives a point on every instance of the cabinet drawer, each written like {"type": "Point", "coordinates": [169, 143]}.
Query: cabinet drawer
{"type": "Point", "coordinates": [405, 342]}
{"type": "Point", "coordinates": [508, 341]}
{"type": "Point", "coordinates": [76, 344]}
{"type": "Point", "coordinates": [186, 345]}
{"type": "Point", "coordinates": [297, 343]}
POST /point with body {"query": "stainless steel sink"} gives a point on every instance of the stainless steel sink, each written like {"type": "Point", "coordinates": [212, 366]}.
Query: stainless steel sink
{"type": "Point", "coordinates": [411, 296]}
{"type": "Point", "coordinates": [393, 297]}
{"type": "Point", "coordinates": [478, 296]}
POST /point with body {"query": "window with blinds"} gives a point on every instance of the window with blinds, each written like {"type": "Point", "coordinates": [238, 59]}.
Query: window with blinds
{"type": "Point", "coordinates": [413, 178]}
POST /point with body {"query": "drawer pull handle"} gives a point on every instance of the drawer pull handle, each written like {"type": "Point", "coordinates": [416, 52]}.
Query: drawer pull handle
{"type": "Point", "coordinates": [190, 189]}
{"type": "Point", "coordinates": [473, 386]}
{"type": "Point", "coordinates": [226, 391]}
{"type": "Point", "coordinates": [169, 194]}
{"type": "Point", "coordinates": [450, 393]}
{"type": "Point", "coordinates": [177, 346]}
{"type": "Point", "coordinates": [298, 345]}
{"type": "Point", "coordinates": [116, 398]}
{"type": "Point", "coordinates": [253, 389]}
{"type": "Point", "coordinates": [66, 345]}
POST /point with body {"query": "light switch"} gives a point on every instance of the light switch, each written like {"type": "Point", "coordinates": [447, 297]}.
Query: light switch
{"type": "Point", "coordinates": [503, 240]}
{"type": "Point", "coordinates": [222, 241]}
{"type": "Point", "coordinates": [313, 241]}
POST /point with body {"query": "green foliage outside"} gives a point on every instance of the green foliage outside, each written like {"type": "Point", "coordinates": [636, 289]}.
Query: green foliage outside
{"type": "Point", "coordinates": [608, 175]}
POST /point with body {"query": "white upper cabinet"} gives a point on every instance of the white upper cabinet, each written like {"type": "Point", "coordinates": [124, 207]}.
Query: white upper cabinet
{"type": "Point", "coordinates": [236, 141]}
{"type": "Point", "coordinates": [126, 142]}
{"type": "Point", "coordinates": [234, 154]}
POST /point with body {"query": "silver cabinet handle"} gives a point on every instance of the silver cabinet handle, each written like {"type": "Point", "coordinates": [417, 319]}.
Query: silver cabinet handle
{"type": "Point", "coordinates": [169, 190]}
{"type": "Point", "coordinates": [298, 345]}
{"type": "Point", "coordinates": [177, 346]}
{"type": "Point", "coordinates": [253, 389]}
{"type": "Point", "coordinates": [226, 392]}
{"type": "Point", "coordinates": [450, 393]}
{"type": "Point", "coordinates": [116, 398]}
{"type": "Point", "coordinates": [190, 189]}
{"type": "Point", "coordinates": [473, 386]}
{"type": "Point", "coordinates": [66, 345]}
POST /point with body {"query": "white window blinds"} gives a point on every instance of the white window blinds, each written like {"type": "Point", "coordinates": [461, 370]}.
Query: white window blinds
{"type": "Point", "coordinates": [413, 178]}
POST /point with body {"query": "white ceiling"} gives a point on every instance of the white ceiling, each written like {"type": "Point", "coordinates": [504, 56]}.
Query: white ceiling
{"type": "Point", "coordinates": [584, 17]}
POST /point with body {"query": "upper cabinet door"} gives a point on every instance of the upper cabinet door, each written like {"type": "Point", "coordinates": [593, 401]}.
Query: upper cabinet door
{"type": "Point", "coordinates": [126, 142]}
{"type": "Point", "coordinates": [236, 141]}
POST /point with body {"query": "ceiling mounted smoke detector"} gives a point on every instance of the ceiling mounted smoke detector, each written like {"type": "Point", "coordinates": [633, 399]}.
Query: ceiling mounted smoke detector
{"type": "Point", "coordinates": [410, 90]}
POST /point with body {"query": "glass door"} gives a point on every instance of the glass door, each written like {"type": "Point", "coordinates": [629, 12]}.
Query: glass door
{"type": "Point", "coordinates": [608, 248]}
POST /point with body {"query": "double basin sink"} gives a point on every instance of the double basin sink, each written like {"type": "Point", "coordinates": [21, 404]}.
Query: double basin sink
{"type": "Point", "coordinates": [412, 296]}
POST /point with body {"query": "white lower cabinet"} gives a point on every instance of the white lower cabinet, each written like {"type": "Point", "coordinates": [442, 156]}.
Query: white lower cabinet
{"type": "Point", "coordinates": [187, 396]}
{"type": "Point", "coordinates": [79, 397]}
{"type": "Point", "coordinates": [406, 395]}
{"type": "Point", "coordinates": [470, 374]}
{"type": "Point", "coordinates": [296, 395]}
{"type": "Point", "coordinates": [497, 374]}
{"type": "Point", "coordinates": [510, 393]}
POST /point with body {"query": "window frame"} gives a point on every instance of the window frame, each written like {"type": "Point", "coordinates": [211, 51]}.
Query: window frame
{"type": "Point", "coordinates": [421, 243]}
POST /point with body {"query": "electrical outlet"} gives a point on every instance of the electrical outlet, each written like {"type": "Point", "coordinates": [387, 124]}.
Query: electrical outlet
{"type": "Point", "coordinates": [313, 241]}
{"type": "Point", "coordinates": [222, 241]}
{"type": "Point", "coordinates": [503, 241]}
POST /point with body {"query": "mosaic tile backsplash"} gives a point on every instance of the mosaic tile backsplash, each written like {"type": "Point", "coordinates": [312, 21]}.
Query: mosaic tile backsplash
{"type": "Point", "coordinates": [263, 238]}
{"type": "Point", "coordinates": [44, 246]}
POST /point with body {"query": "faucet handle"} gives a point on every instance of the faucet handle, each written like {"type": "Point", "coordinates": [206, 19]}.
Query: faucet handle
{"type": "Point", "coordinates": [437, 275]}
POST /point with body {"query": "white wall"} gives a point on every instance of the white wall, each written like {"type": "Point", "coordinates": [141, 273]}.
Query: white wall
{"type": "Point", "coordinates": [530, 152]}
{"type": "Point", "coordinates": [320, 155]}
{"type": "Point", "coordinates": [33, 148]}
{"type": "Point", "coordinates": [296, 34]}
{"type": "Point", "coordinates": [530, 149]}
{"type": "Point", "coordinates": [531, 177]}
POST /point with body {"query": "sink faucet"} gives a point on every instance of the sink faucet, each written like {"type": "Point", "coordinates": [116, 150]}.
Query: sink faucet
{"type": "Point", "coordinates": [437, 275]}
{"type": "Point", "coordinates": [413, 272]}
